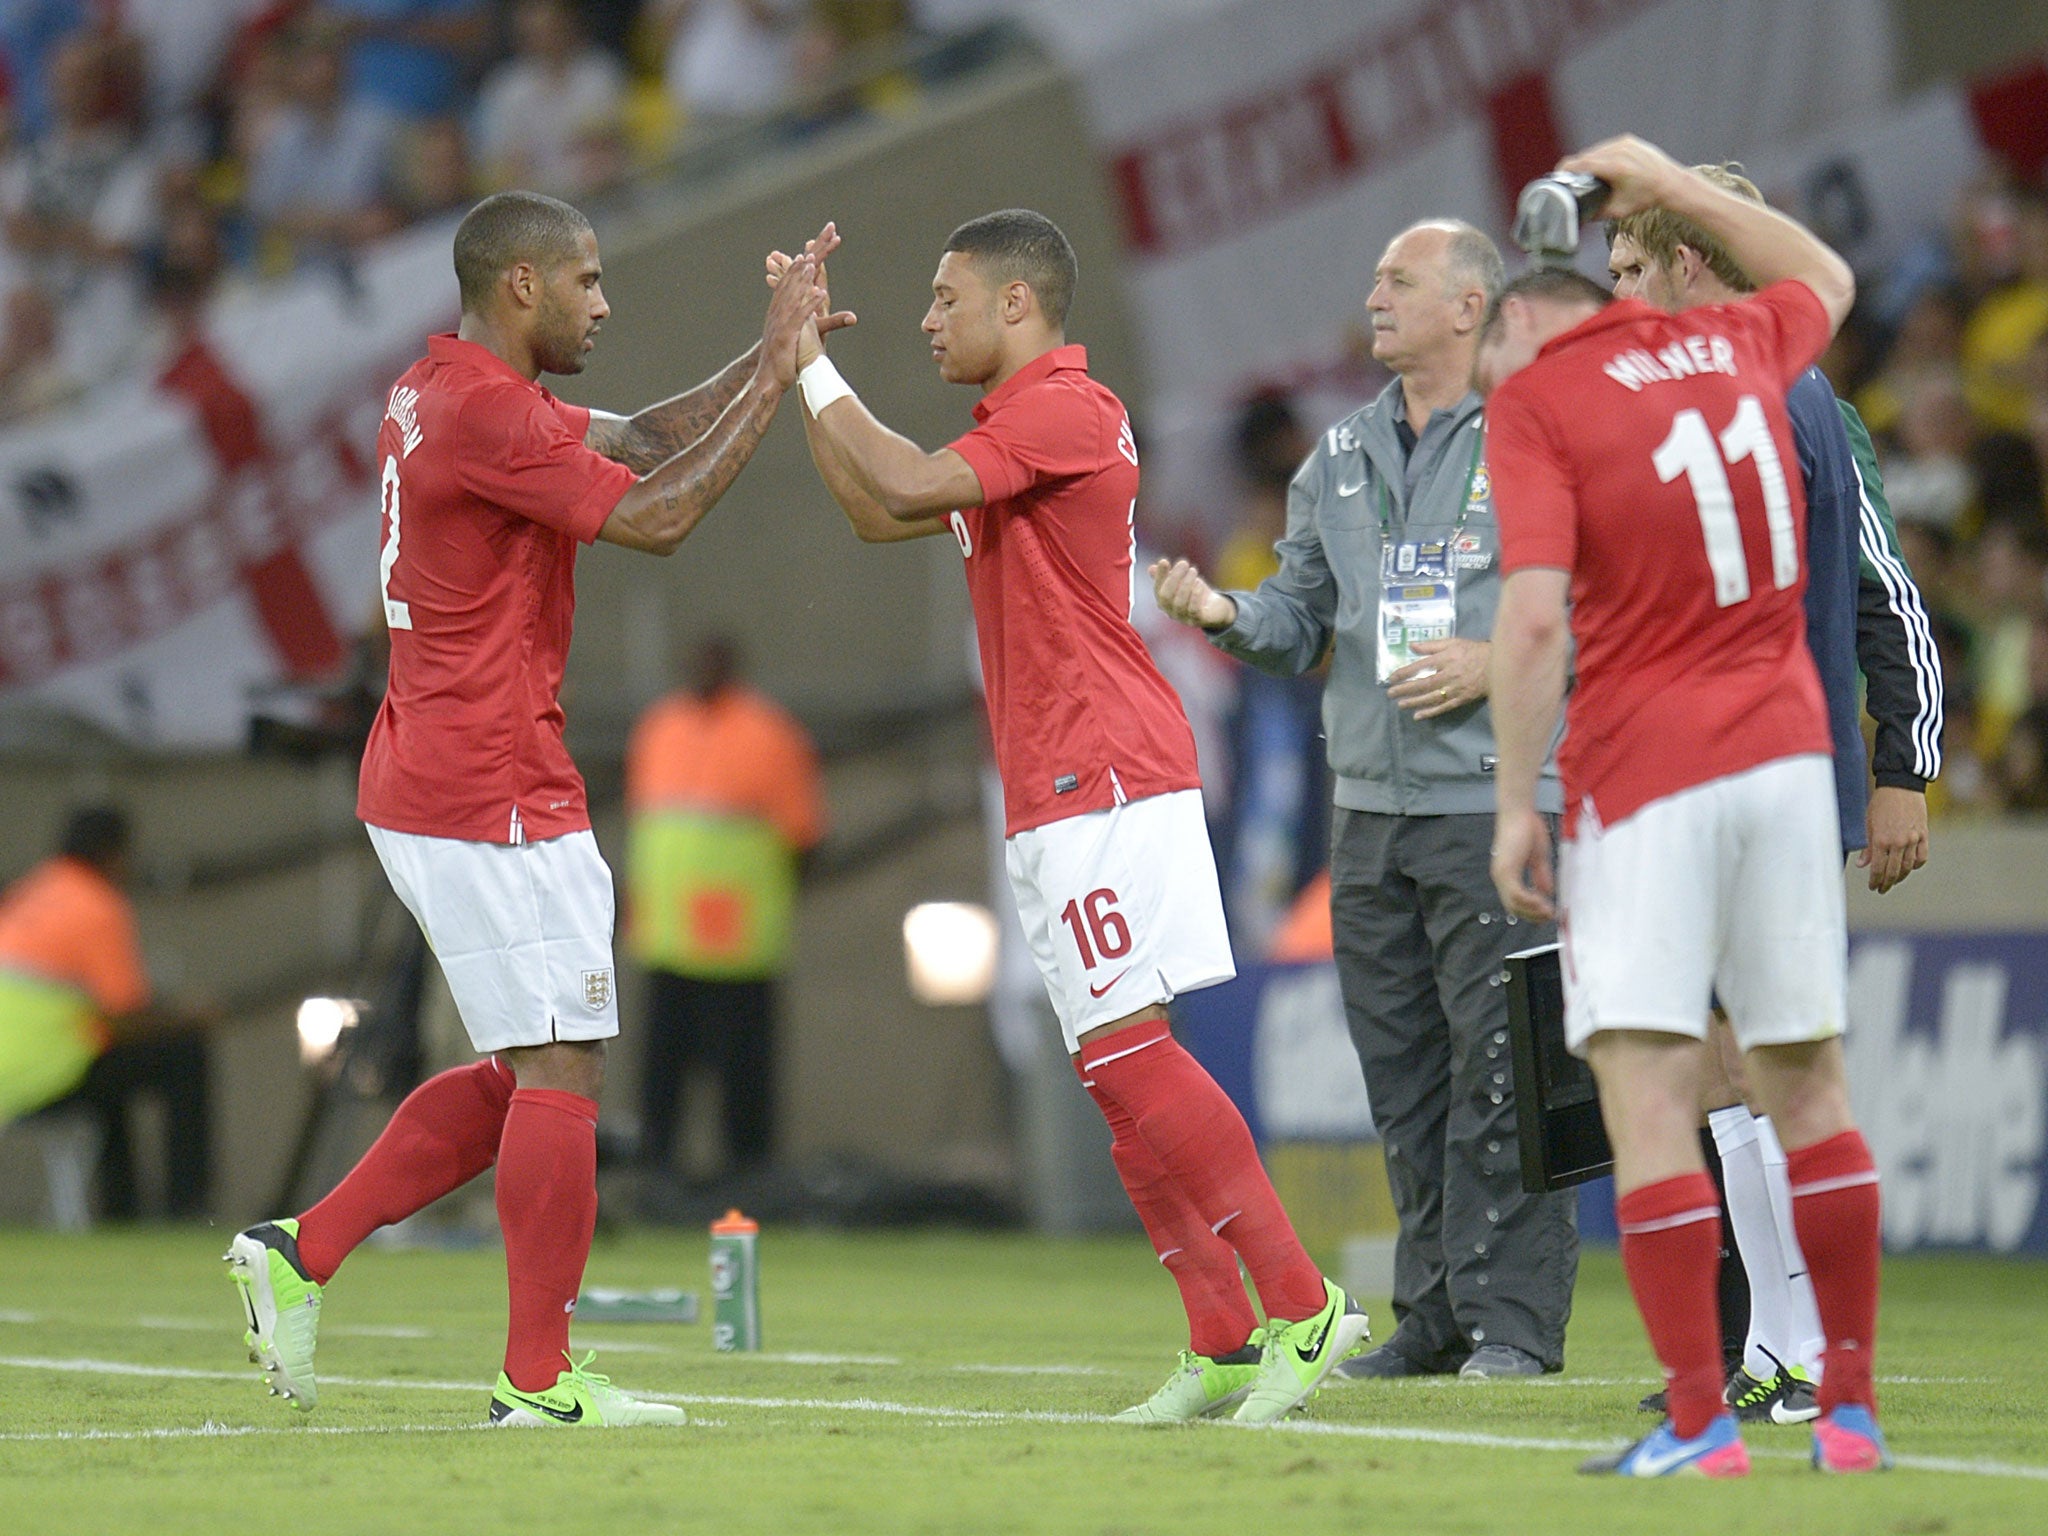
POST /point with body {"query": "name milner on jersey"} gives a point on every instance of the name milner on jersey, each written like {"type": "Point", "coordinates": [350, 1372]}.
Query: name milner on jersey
{"type": "Point", "coordinates": [1683, 358]}
{"type": "Point", "coordinates": [404, 411]}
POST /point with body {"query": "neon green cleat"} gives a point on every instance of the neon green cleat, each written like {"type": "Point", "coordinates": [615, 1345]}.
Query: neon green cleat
{"type": "Point", "coordinates": [283, 1306]}
{"type": "Point", "coordinates": [579, 1398]}
{"type": "Point", "coordinates": [1299, 1355]}
{"type": "Point", "coordinates": [1201, 1386]}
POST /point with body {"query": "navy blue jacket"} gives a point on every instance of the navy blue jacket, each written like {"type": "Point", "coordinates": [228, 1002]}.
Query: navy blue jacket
{"type": "Point", "coordinates": [1833, 510]}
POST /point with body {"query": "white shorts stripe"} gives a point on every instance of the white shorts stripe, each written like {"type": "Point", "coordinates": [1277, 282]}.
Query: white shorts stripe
{"type": "Point", "coordinates": [1102, 1061]}
{"type": "Point", "coordinates": [1823, 1186]}
{"type": "Point", "coordinates": [1666, 1223]}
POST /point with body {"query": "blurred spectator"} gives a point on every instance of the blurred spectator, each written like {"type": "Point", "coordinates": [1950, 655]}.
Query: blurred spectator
{"type": "Point", "coordinates": [432, 176]}
{"type": "Point", "coordinates": [184, 44]}
{"type": "Point", "coordinates": [33, 375]}
{"type": "Point", "coordinates": [316, 184]}
{"type": "Point", "coordinates": [723, 791]}
{"type": "Point", "coordinates": [2010, 320]}
{"type": "Point", "coordinates": [2020, 775]}
{"type": "Point", "coordinates": [29, 31]}
{"type": "Point", "coordinates": [1927, 476]}
{"type": "Point", "coordinates": [77, 1013]}
{"type": "Point", "coordinates": [551, 116]}
{"type": "Point", "coordinates": [1929, 341]}
{"type": "Point", "coordinates": [730, 59]}
{"type": "Point", "coordinates": [78, 197]}
{"type": "Point", "coordinates": [1279, 819]}
{"type": "Point", "coordinates": [412, 58]}
{"type": "Point", "coordinates": [2011, 564]}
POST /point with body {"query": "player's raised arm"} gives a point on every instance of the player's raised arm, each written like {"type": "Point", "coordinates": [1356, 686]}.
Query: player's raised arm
{"type": "Point", "coordinates": [653, 435]}
{"type": "Point", "coordinates": [1765, 243]}
{"type": "Point", "coordinates": [884, 467]}
{"type": "Point", "coordinates": [659, 512]}
{"type": "Point", "coordinates": [870, 521]}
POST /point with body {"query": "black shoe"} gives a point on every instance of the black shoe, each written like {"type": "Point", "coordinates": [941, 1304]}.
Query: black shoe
{"type": "Point", "coordinates": [1385, 1364]}
{"type": "Point", "coordinates": [1491, 1362]}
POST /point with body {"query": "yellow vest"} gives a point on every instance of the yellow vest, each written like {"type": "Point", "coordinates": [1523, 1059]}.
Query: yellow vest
{"type": "Point", "coordinates": [48, 1039]}
{"type": "Point", "coordinates": [709, 896]}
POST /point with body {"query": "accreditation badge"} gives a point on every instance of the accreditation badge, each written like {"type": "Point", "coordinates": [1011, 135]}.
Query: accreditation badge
{"type": "Point", "coordinates": [1418, 601]}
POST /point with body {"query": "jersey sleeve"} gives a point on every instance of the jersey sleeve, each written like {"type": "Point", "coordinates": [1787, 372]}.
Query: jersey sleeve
{"type": "Point", "coordinates": [1037, 439]}
{"type": "Point", "coordinates": [1534, 499]}
{"type": "Point", "coordinates": [524, 452]}
{"type": "Point", "coordinates": [1787, 324]}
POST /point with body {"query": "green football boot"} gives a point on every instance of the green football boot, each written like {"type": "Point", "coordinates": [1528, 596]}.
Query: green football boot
{"type": "Point", "coordinates": [283, 1306]}
{"type": "Point", "coordinates": [1299, 1355]}
{"type": "Point", "coordinates": [1201, 1386]}
{"type": "Point", "coordinates": [579, 1399]}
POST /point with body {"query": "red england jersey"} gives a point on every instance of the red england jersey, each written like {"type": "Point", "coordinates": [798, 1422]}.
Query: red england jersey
{"type": "Point", "coordinates": [1650, 456]}
{"type": "Point", "coordinates": [487, 489]}
{"type": "Point", "coordinates": [1082, 719]}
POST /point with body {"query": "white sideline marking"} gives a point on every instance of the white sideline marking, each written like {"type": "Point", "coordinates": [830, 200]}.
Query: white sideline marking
{"type": "Point", "coordinates": [1035, 1370]}
{"type": "Point", "coordinates": [928, 1413]}
{"type": "Point", "coordinates": [346, 1330]}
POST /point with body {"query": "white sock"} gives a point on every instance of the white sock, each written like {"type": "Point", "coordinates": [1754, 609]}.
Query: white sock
{"type": "Point", "coordinates": [1756, 1234]}
{"type": "Point", "coordinates": [1806, 1338]}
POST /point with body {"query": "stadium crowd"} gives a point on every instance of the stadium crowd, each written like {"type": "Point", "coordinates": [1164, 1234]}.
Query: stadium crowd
{"type": "Point", "coordinates": [153, 152]}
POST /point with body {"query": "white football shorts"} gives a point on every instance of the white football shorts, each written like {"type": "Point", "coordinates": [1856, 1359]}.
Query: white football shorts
{"type": "Point", "coordinates": [1121, 908]}
{"type": "Point", "coordinates": [1733, 886]}
{"type": "Point", "coordinates": [523, 932]}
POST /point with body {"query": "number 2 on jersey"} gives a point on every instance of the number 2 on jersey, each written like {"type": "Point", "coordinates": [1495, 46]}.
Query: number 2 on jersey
{"type": "Point", "coordinates": [1691, 450]}
{"type": "Point", "coordinates": [397, 615]}
{"type": "Point", "coordinates": [1095, 916]}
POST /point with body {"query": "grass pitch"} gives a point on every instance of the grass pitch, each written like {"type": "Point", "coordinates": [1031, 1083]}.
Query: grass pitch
{"type": "Point", "coordinates": [911, 1384]}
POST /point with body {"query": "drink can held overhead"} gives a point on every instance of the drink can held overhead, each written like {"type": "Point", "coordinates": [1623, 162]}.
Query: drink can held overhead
{"type": "Point", "coordinates": [1551, 211]}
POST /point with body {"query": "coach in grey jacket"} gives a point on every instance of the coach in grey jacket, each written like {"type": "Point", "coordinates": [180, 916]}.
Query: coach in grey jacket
{"type": "Point", "coordinates": [1483, 1272]}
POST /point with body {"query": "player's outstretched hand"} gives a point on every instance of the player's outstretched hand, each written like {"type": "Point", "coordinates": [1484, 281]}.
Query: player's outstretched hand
{"type": "Point", "coordinates": [1183, 595]}
{"type": "Point", "coordinates": [1897, 825]}
{"type": "Point", "coordinates": [818, 247]}
{"type": "Point", "coordinates": [1450, 675]}
{"type": "Point", "coordinates": [1521, 865]}
{"type": "Point", "coordinates": [1640, 173]}
{"type": "Point", "coordinates": [790, 309]}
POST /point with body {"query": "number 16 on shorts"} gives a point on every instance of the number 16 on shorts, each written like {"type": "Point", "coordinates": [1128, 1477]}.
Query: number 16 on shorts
{"type": "Point", "coordinates": [1121, 909]}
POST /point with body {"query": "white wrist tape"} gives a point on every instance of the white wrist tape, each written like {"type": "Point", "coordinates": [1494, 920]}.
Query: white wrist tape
{"type": "Point", "coordinates": [821, 384]}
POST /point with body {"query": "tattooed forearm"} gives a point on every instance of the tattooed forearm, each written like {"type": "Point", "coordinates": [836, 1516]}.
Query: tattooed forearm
{"type": "Point", "coordinates": [649, 438]}
{"type": "Point", "coordinates": [689, 484]}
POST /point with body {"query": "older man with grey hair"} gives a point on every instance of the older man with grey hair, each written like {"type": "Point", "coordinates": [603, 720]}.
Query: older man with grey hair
{"type": "Point", "coordinates": [1389, 565]}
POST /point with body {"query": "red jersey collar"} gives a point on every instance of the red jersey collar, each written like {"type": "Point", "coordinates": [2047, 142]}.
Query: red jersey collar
{"type": "Point", "coordinates": [1620, 312]}
{"type": "Point", "coordinates": [447, 347]}
{"type": "Point", "coordinates": [1060, 359]}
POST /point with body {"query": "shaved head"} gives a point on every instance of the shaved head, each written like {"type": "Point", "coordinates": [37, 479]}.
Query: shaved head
{"type": "Point", "coordinates": [509, 228]}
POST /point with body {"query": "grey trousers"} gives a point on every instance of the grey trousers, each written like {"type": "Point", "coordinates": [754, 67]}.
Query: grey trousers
{"type": "Point", "coordinates": [1420, 938]}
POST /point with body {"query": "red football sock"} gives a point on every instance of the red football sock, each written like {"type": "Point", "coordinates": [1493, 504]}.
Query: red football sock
{"type": "Point", "coordinates": [1835, 1209]}
{"type": "Point", "coordinates": [547, 1206]}
{"type": "Point", "coordinates": [1220, 1317]}
{"type": "Point", "coordinates": [1671, 1249]}
{"type": "Point", "coordinates": [443, 1135]}
{"type": "Point", "coordinates": [1197, 1135]}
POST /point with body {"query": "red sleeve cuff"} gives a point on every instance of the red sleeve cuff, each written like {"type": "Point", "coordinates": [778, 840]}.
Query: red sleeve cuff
{"type": "Point", "coordinates": [587, 517]}
{"type": "Point", "coordinates": [988, 466]}
{"type": "Point", "coordinates": [1545, 554]}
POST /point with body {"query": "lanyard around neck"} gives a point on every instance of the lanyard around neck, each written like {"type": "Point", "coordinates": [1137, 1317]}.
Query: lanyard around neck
{"type": "Point", "coordinates": [1464, 502]}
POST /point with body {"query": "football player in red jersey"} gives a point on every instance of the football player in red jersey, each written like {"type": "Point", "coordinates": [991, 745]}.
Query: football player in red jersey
{"type": "Point", "coordinates": [1107, 848]}
{"type": "Point", "coordinates": [489, 484]}
{"type": "Point", "coordinates": [1639, 464]}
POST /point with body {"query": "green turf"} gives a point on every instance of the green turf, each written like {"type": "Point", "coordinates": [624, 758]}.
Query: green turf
{"type": "Point", "coordinates": [917, 1444]}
